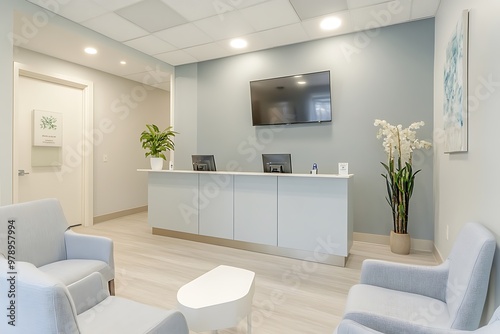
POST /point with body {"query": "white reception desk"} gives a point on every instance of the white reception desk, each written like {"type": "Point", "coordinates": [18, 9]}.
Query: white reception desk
{"type": "Point", "coordinates": [302, 216]}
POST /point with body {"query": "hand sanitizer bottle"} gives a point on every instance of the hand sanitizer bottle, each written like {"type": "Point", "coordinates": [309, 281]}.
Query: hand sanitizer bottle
{"type": "Point", "coordinates": [314, 169]}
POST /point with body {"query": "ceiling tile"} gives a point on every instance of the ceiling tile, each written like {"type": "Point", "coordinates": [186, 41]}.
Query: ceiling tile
{"type": "Point", "coordinates": [175, 58]}
{"type": "Point", "coordinates": [307, 9]}
{"type": "Point", "coordinates": [115, 27]}
{"type": "Point", "coordinates": [353, 4]}
{"type": "Point", "coordinates": [289, 34]}
{"type": "Point", "coordinates": [381, 15]}
{"type": "Point", "coordinates": [231, 24]}
{"type": "Point", "coordinates": [270, 14]}
{"type": "Point", "coordinates": [208, 51]}
{"type": "Point", "coordinates": [194, 10]}
{"type": "Point", "coordinates": [152, 15]}
{"type": "Point", "coordinates": [424, 8]}
{"type": "Point", "coordinates": [239, 4]}
{"type": "Point", "coordinates": [113, 5]}
{"type": "Point", "coordinates": [184, 36]}
{"type": "Point", "coordinates": [150, 45]}
{"type": "Point", "coordinates": [78, 11]}
{"type": "Point", "coordinates": [314, 31]}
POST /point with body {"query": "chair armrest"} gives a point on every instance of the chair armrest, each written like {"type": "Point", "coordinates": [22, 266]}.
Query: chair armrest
{"type": "Point", "coordinates": [347, 326]}
{"type": "Point", "coordinates": [430, 281]}
{"type": "Point", "coordinates": [81, 246]}
{"type": "Point", "coordinates": [88, 292]}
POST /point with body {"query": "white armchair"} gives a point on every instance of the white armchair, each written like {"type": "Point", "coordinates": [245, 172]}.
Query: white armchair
{"type": "Point", "coordinates": [42, 237]}
{"type": "Point", "coordinates": [398, 298]}
{"type": "Point", "coordinates": [42, 304]}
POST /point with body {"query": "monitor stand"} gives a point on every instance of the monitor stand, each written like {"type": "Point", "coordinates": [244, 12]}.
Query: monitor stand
{"type": "Point", "coordinates": [276, 168]}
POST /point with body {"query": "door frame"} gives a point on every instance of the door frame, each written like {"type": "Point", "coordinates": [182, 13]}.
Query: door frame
{"type": "Point", "coordinates": [22, 70]}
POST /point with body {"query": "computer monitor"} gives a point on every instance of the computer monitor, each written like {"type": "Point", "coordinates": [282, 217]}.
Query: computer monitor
{"type": "Point", "coordinates": [203, 162]}
{"type": "Point", "coordinates": [277, 163]}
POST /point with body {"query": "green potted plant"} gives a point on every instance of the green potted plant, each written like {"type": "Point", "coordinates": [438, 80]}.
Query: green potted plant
{"type": "Point", "coordinates": [155, 142]}
{"type": "Point", "coordinates": [399, 145]}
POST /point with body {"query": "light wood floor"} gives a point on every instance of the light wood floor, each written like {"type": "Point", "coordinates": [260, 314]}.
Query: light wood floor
{"type": "Point", "coordinates": [291, 296]}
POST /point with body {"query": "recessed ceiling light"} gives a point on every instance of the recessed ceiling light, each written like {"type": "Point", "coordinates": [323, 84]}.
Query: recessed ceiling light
{"type": "Point", "coordinates": [330, 23]}
{"type": "Point", "coordinates": [238, 43]}
{"type": "Point", "coordinates": [301, 82]}
{"type": "Point", "coordinates": [90, 51]}
{"type": "Point", "coordinates": [123, 62]}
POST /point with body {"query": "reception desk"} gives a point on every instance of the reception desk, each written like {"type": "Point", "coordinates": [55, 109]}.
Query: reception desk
{"type": "Point", "coordinates": [302, 216]}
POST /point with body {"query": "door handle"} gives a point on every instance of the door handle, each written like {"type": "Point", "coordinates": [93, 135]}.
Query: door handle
{"type": "Point", "coordinates": [21, 172]}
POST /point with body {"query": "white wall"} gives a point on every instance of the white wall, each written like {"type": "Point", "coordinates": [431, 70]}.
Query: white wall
{"type": "Point", "coordinates": [390, 76]}
{"type": "Point", "coordinates": [466, 185]}
{"type": "Point", "coordinates": [121, 109]}
{"type": "Point", "coordinates": [6, 70]}
{"type": "Point", "coordinates": [185, 98]}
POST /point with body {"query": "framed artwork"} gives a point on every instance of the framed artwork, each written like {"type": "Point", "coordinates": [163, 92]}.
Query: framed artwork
{"type": "Point", "coordinates": [455, 88]}
{"type": "Point", "coordinates": [47, 128]}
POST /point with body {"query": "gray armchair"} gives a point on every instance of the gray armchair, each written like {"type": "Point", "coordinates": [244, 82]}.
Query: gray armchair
{"type": "Point", "coordinates": [493, 327]}
{"type": "Point", "coordinates": [42, 304]}
{"type": "Point", "coordinates": [42, 237]}
{"type": "Point", "coordinates": [398, 298]}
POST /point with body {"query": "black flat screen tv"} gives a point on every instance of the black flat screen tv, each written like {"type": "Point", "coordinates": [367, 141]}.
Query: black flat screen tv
{"type": "Point", "coordinates": [303, 98]}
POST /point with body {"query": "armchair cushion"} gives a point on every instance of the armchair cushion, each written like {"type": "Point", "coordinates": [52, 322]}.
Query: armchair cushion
{"type": "Point", "coordinates": [117, 315]}
{"type": "Point", "coordinates": [347, 326]}
{"type": "Point", "coordinates": [70, 271]}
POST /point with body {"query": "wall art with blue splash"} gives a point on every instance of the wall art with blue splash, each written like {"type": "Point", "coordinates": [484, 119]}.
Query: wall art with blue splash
{"type": "Point", "coordinates": [455, 88]}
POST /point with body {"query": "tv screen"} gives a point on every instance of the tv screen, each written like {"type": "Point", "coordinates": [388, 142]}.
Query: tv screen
{"type": "Point", "coordinates": [303, 98]}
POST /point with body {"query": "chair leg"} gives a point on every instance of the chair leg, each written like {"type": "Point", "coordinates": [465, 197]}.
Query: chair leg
{"type": "Point", "coordinates": [111, 286]}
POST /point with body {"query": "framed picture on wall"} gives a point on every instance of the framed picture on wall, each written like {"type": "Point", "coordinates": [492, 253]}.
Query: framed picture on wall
{"type": "Point", "coordinates": [455, 88]}
{"type": "Point", "coordinates": [47, 128]}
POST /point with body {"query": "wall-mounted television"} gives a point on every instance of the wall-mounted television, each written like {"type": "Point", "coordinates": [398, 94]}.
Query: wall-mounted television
{"type": "Point", "coordinates": [301, 98]}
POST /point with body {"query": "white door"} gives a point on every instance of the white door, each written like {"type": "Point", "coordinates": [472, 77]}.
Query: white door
{"type": "Point", "coordinates": [51, 171]}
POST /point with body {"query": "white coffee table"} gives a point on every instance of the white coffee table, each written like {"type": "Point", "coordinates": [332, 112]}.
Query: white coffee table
{"type": "Point", "coordinates": [218, 299]}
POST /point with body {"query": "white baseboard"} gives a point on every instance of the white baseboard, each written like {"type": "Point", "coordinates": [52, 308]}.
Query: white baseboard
{"type": "Point", "coordinates": [416, 244]}
{"type": "Point", "coordinates": [119, 214]}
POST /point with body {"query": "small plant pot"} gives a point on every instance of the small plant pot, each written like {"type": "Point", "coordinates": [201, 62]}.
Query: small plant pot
{"type": "Point", "coordinates": [156, 163]}
{"type": "Point", "coordinates": [400, 243]}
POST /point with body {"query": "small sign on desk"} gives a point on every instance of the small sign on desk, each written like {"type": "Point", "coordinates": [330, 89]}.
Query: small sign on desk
{"type": "Point", "coordinates": [343, 168]}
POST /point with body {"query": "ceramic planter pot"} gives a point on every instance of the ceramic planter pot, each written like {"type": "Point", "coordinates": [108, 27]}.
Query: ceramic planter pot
{"type": "Point", "coordinates": [400, 243]}
{"type": "Point", "coordinates": [156, 163]}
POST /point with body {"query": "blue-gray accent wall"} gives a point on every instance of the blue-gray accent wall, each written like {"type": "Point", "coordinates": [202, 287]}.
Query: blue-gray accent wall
{"type": "Point", "coordinates": [385, 73]}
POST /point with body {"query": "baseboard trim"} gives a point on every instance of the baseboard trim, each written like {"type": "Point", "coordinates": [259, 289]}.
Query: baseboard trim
{"type": "Point", "coordinates": [416, 244]}
{"type": "Point", "coordinates": [330, 259]}
{"type": "Point", "coordinates": [437, 255]}
{"type": "Point", "coordinates": [119, 214]}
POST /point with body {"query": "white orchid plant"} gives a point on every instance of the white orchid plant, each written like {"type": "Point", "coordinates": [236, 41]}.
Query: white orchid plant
{"type": "Point", "coordinates": [399, 144]}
